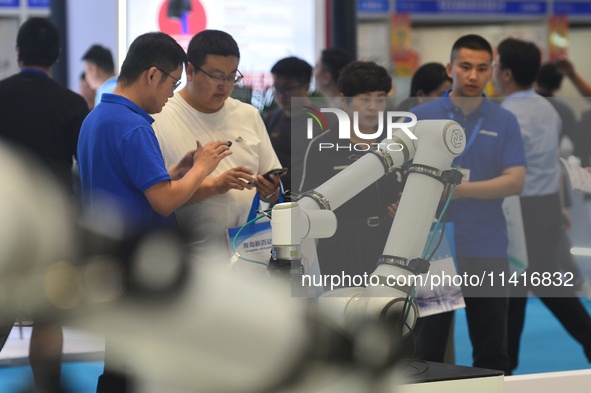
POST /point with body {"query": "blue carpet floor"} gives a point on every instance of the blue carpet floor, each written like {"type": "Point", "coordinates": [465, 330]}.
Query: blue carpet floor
{"type": "Point", "coordinates": [77, 377]}
{"type": "Point", "coordinates": [546, 347]}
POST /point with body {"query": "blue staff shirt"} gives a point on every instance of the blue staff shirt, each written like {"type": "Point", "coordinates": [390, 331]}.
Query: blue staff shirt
{"type": "Point", "coordinates": [120, 158]}
{"type": "Point", "coordinates": [480, 226]}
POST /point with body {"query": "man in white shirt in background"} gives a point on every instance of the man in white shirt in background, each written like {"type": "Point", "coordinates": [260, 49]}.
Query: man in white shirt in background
{"type": "Point", "coordinates": [517, 66]}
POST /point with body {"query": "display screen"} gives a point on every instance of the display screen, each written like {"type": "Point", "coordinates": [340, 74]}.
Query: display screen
{"type": "Point", "coordinates": [266, 30]}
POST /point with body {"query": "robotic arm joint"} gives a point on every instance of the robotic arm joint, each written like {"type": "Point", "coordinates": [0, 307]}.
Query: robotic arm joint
{"type": "Point", "coordinates": [451, 176]}
{"type": "Point", "coordinates": [416, 265]}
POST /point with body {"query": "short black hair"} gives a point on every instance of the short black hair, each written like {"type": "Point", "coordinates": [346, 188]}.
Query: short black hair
{"type": "Point", "coordinates": [294, 68]}
{"type": "Point", "coordinates": [360, 77]}
{"type": "Point", "coordinates": [211, 42]}
{"type": "Point", "coordinates": [473, 42]}
{"type": "Point", "coordinates": [333, 60]}
{"type": "Point", "coordinates": [522, 58]}
{"type": "Point", "coordinates": [154, 49]}
{"type": "Point", "coordinates": [428, 78]}
{"type": "Point", "coordinates": [100, 56]}
{"type": "Point", "coordinates": [550, 77]}
{"type": "Point", "coordinates": [38, 43]}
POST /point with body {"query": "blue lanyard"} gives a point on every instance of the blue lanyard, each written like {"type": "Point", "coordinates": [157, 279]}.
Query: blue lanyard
{"type": "Point", "coordinates": [32, 71]}
{"type": "Point", "coordinates": [473, 135]}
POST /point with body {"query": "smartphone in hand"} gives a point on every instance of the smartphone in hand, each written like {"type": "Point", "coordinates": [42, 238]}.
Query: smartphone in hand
{"type": "Point", "coordinates": [277, 172]}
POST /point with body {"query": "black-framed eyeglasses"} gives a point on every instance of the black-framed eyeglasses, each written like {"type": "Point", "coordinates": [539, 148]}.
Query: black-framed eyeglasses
{"type": "Point", "coordinates": [233, 79]}
{"type": "Point", "coordinates": [177, 81]}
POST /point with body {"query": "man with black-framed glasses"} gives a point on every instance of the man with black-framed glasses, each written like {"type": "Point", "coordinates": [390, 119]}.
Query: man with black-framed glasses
{"type": "Point", "coordinates": [177, 81]}
{"type": "Point", "coordinates": [122, 171]}
{"type": "Point", "coordinates": [232, 79]}
{"type": "Point", "coordinates": [204, 110]}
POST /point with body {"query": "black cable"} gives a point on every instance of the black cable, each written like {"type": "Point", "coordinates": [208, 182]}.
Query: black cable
{"type": "Point", "coordinates": [412, 359]}
{"type": "Point", "coordinates": [443, 222]}
{"type": "Point", "coordinates": [403, 320]}
{"type": "Point", "coordinates": [420, 371]}
{"type": "Point", "coordinates": [411, 363]}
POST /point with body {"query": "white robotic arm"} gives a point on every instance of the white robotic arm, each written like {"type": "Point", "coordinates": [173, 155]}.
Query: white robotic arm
{"type": "Point", "coordinates": [438, 143]}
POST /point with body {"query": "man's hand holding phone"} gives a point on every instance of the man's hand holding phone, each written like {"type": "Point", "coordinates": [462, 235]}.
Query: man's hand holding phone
{"type": "Point", "coordinates": [268, 184]}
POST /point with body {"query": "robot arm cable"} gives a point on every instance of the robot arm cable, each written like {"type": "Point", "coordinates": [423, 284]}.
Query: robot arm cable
{"type": "Point", "coordinates": [235, 240]}
{"type": "Point", "coordinates": [440, 220]}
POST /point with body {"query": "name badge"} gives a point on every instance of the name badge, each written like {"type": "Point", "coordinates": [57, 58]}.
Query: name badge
{"type": "Point", "coordinates": [466, 174]}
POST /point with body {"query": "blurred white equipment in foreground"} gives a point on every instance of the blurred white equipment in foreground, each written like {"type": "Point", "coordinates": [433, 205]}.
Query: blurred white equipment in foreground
{"type": "Point", "coordinates": [175, 326]}
{"type": "Point", "coordinates": [182, 328]}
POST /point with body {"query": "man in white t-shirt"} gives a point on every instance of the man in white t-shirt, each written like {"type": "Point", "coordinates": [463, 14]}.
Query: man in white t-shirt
{"type": "Point", "coordinates": [203, 110]}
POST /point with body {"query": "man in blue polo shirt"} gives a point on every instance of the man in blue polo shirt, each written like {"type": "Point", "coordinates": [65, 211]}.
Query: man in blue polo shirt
{"type": "Point", "coordinates": [493, 165]}
{"type": "Point", "coordinates": [122, 170]}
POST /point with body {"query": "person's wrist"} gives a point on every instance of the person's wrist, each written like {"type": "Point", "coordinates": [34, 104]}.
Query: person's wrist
{"type": "Point", "coordinates": [268, 197]}
{"type": "Point", "coordinates": [177, 173]}
{"type": "Point", "coordinates": [215, 185]}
